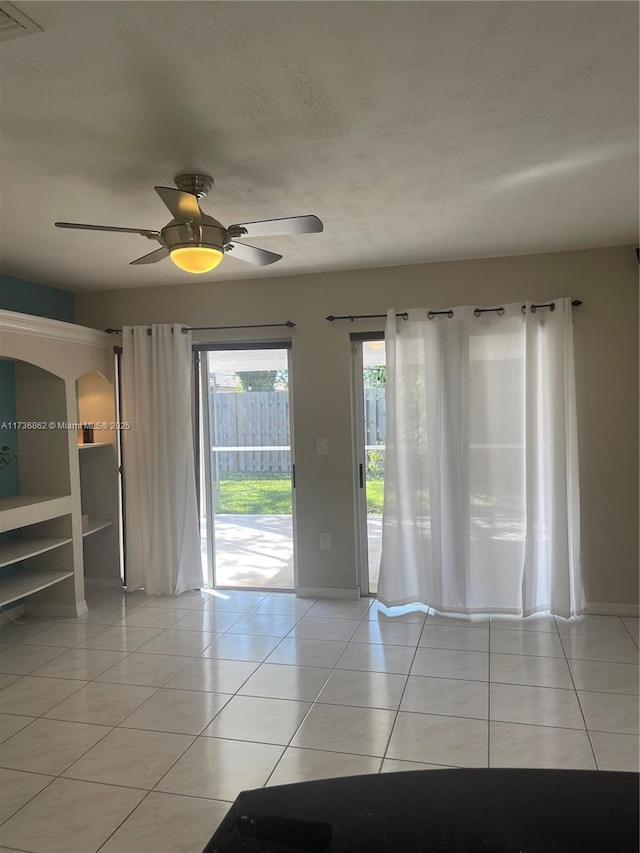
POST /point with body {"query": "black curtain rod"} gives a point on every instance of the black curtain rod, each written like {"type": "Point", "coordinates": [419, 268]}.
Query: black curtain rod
{"type": "Point", "coordinates": [353, 317]}
{"type": "Point", "coordinates": [186, 329]}
{"type": "Point", "coordinates": [478, 312]}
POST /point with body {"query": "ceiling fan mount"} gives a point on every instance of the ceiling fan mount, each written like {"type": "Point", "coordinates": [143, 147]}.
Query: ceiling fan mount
{"type": "Point", "coordinates": [195, 183]}
{"type": "Point", "coordinates": [195, 241]}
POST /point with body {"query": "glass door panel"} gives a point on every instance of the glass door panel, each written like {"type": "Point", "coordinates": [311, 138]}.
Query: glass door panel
{"type": "Point", "coordinates": [246, 468]}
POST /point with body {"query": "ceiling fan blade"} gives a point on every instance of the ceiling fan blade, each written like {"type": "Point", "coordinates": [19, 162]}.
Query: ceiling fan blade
{"type": "Point", "coordinates": [252, 255]}
{"type": "Point", "coordinates": [80, 226]}
{"type": "Point", "coordinates": [274, 227]}
{"type": "Point", "coordinates": [182, 205]}
{"type": "Point", "coordinates": [153, 257]}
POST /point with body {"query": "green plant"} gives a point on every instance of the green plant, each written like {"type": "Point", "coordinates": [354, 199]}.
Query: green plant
{"type": "Point", "coordinates": [7, 457]}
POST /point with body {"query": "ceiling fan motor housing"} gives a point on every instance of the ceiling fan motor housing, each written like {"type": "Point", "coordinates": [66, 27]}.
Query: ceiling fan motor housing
{"type": "Point", "coordinates": [208, 233]}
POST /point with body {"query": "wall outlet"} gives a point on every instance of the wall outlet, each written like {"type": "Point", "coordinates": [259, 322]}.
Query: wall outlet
{"type": "Point", "coordinates": [325, 541]}
{"type": "Point", "coordinates": [321, 447]}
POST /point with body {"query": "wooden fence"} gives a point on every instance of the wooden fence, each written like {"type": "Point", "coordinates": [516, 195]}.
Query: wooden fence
{"type": "Point", "coordinates": [260, 419]}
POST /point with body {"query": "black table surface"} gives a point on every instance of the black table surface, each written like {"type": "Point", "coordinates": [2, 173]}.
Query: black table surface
{"type": "Point", "coordinates": [430, 811]}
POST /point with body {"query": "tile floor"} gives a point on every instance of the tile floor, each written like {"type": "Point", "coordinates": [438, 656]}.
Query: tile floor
{"type": "Point", "coordinates": [133, 728]}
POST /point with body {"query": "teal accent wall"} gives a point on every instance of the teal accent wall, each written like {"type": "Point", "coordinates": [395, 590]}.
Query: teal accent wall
{"type": "Point", "coordinates": [9, 483]}
{"type": "Point", "coordinates": [27, 297]}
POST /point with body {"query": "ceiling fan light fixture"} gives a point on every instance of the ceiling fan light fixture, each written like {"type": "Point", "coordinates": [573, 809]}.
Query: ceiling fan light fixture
{"type": "Point", "coordinates": [196, 259]}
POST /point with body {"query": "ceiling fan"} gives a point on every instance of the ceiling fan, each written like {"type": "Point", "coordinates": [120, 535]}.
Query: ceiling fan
{"type": "Point", "coordinates": [196, 242]}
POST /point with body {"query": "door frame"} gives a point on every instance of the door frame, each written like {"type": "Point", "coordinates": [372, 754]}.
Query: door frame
{"type": "Point", "coordinates": [200, 387]}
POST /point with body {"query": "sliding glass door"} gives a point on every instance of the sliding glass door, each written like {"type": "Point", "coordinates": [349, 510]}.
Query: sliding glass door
{"type": "Point", "coordinates": [369, 384]}
{"type": "Point", "coordinates": [246, 488]}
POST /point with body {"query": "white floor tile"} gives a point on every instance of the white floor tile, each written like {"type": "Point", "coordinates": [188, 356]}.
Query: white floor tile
{"type": "Point", "coordinates": [179, 711]}
{"type": "Point", "coordinates": [605, 677]}
{"type": "Point", "coordinates": [212, 675]}
{"type": "Point", "coordinates": [220, 769]}
{"type": "Point", "coordinates": [472, 620]}
{"type": "Point", "coordinates": [336, 728]}
{"type": "Point", "coordinates": [84, 664]}
{"type": "Point", "coordinates": [527, 643]}
{"type": "Point", "coordinates": [12, 723]}
{"type": "Point", "coordinates": [186, 643]}
{"type": "Point", "coordinates": [17, 789]}
{"type": "Point", "coordinates": [119, 639]}
{"type": "Point", "coordinates": [250, 718]}
{"type": "Point", "coordinates": [388, 633]}
{"type": "Point", "coordinates": [104, 704]}
{"type": "Point", "coordinates": [536, 706]}
{"type": "Point", "coordinates": [613, 649]}
{"type": "Point", "coordinates": [596, 626]}
{"type": "Point", "coordinates": [449, 663]}
{"type": "Point", "coordinates": [632, 624]}
{"type": "Point", "coordinates": [463, 638]}
{"type": "Point", "coordinates": [144, 670]}
{"type": "Point", "coordinates": [70, 817]}
{"type": "Point", "coordinates": [514, 745]}
{"type": "Point", "coordinates": [167, 823]}
{"type": "Point", "coordinates": [22, 659]}
{"type": "Point", "coordinates": [393, 765]}
{"type": "Point", "coordinates": [446, 697]}
{"type": "Point", "coordinates": [130, 757]}
{"type": "Point", "coordinates": [364, 689]}
{"type": "Point", "coordinates": [152, 617]}
{"type": "Point", "coordinates": [279, 681]}
{"type": "Point", "coordinates": [306, 765]}
{"type": "Point", "coordinates": [531, 670]}
{"type": "Point", "coordinates": [339, 630]}
{"type": "Point", "coordinates": [233, 601]}
{"type": "Point", "coordinates": [49, 746]}
{"type": "Point", "coordinates": [616, 751]}
{"type": "Point", "coordinates": [435, 739]}
{"type": "Point", "coordinates": [285, 605]}
{"type": "Point", "coordinates": [35, 696]}
{"type": "Point", "coordinates": [187, 601]}
{"type": "Point", "coordinates": [66, 634]}
{"type": "Point", "coordinates": [24, 630]}
{"type": "Point", "coordinates": [264, 624]}
{"type": "Point", "coordinates": [610, 712]}
{"type": "Point", "coordinates": [247, 647]}
{"type": "Point", "coordinates": [375, 657]}
{"type": "Point", "coordinates": [207, 620]}
{"type": "Point", "coordinates": [307, 652]}
{"type": "Point", "coordinates": [6, 679]}
{"type": "Point", "coordinates": [336, 609]}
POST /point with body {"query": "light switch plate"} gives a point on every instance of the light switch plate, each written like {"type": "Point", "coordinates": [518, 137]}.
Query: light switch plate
{"type": "Point", "coordinates": [325, 541]}
{"type": "Point", "coordinates": [321, 446]}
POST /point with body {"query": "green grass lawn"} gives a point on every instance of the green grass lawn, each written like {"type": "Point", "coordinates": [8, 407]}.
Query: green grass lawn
{"type": "Point", "coordinates": [375, 496]}
{"type": "Point", "coordinates": [270, 494]}
{"type": "Point", "coordinates": [255, 494]}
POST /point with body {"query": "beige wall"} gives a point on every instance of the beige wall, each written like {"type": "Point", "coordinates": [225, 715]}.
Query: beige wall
{"type": "Point", "coordinates": [606, 346]}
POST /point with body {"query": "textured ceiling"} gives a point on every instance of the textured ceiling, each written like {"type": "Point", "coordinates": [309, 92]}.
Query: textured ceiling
{"type": "Point", "coordinates": [417, 131]}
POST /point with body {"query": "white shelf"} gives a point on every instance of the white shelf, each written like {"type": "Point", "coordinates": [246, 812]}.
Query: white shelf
{"type": "Point", "coordinates": [96, 524]}
{"type": "Point", "coordinates": [21, 549]}
{"type": "Point", "coordinates": [22, 510]}
{"type": "Point", "coordinates": [94, 444]}
{"type": "Point", "coordinates": [26, 582]}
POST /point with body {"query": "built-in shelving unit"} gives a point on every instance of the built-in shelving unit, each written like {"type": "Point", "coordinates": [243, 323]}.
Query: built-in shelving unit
{"type": "Point", "coordinates": [41, 546]}
{"type": "Point", "coordinates": [95, 525]}
{"type": "Point", "coordinates": [98, 462]}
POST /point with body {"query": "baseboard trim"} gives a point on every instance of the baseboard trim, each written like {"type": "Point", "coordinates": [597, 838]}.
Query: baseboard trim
{"type": "Point", "coordinates": [595, 608]}
{"type": "Point", "coordinates": [327, 592]}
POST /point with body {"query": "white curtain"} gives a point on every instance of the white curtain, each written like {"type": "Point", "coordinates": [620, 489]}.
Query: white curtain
{"type": "Point", "coordinates": [161, 518]}
{"type": "Point", "coordinates": [481, 506]}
